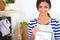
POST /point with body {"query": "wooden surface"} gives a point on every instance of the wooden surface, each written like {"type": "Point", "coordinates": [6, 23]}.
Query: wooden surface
{"type": "Point", "coordinates": [9, 11]}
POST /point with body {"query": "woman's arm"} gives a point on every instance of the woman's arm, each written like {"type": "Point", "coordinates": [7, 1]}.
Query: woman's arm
{"type": "Point", "coordinates": [34, 30]}
{"type": "Point", "coordinates": [31, 29]}
{"type": "Point", "coordinates": [32, 38]}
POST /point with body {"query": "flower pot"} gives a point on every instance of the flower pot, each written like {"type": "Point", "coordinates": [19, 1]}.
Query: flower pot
{"type": "Point", "coordinates": [9, 7]}
{"type": "Point", "coordinates": [2, 5]}
{"type": "Point", "coordinates": [24, 32]}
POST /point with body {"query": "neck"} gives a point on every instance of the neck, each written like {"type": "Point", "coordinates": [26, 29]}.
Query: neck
{"type": "Point", "coordinates": [43, 17]}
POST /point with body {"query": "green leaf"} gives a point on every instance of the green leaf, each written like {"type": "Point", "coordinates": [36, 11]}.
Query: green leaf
{"type": "Point", "coordinates": [10, 1]}
{"type": "Point", "coordinates": [24, 23]}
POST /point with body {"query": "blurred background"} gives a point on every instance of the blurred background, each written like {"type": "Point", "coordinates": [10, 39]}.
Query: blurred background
{"type": "Point", "coordinates": [27, 11]}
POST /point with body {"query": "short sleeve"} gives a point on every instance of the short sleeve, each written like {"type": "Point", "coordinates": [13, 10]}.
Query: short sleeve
{"type": "Point", "coordinates": [56, 28]}
{"type": "Point", "coordinates": [31, 25]}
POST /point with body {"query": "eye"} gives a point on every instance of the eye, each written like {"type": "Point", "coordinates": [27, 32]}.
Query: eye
{"type": "Point", "coordinates": [46, 7]}
{"type": "Point", "coordinates": [40, 6]}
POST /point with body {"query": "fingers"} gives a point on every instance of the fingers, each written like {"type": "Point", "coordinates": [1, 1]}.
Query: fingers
{"type": "Point", "coordinates": [34, 30]}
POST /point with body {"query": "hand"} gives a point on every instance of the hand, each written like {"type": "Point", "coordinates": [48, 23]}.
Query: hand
{"type": "Point", "coordinates": [34, 30]}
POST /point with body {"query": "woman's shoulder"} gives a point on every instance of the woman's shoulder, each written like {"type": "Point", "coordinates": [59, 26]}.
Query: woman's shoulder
{"type": "Point", "coordinates": [55, 20]}
{"type": "Point", "coordinates": [33, 21]}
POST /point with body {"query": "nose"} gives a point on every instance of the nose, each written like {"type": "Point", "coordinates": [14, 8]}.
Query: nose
{"type": "Point", "coordinates": [42, 9]}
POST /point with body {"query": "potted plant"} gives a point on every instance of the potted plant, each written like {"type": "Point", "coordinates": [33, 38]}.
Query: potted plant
{"type": "Point", "coordinates": [24, 28]}
{"type": "Point", "coordinates": [9, 4]}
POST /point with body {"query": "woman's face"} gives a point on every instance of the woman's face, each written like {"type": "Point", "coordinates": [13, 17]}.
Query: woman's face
{"type": "Point", "coordinates": [43, 8]}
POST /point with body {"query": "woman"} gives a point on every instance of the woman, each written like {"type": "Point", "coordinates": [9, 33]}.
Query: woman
{"type": "Point", "coordinates": [43, 6]}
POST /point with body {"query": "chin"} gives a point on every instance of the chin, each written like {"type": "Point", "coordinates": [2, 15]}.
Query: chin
{"type": "Point", "coordinates": [44, 14]}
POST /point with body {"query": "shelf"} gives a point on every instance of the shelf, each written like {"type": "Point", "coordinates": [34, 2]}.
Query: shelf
{"type": "Point", "coordinates": [9, 11]}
